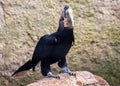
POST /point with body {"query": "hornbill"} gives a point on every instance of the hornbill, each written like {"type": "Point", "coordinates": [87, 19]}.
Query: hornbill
{"type": "Point", "coordinates": [53, 48]}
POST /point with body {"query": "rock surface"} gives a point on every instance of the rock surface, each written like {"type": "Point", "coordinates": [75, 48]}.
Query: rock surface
{"type": "Point", "coordinates": [83, 78]}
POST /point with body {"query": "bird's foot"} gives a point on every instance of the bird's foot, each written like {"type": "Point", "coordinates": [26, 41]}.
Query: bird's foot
{"type": "Point", "coordinates": [67, 70]}
{"type": "Point", "coordinates": [50, 75]}
{"type": "Point", "coordinates": [72, 74]}
{"type": "Point", "coordinates": [55, 76]}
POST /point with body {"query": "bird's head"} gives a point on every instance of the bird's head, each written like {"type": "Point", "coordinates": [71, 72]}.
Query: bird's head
{"type": "Point", "coordinates": [67, 16]}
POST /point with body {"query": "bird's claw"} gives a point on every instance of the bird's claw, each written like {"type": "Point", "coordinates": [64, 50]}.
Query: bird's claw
{"type": "Point", "coordinates": [50, 75]}
{"type": "Point", "coordinates": [55, 76]}
{"type": "Point", "coordinates": [72, 74]}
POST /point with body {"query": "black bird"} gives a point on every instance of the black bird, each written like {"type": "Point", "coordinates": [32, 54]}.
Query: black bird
{"type": "Point", "coordinates": [53, 48]}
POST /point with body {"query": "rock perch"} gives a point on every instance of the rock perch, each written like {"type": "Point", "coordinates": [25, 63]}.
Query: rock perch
{"type": "Point", "coordinates": [83, 78]}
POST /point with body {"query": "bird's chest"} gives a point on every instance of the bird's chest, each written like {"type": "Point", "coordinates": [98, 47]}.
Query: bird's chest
{"type": "Point", "coordinates": [61, 50]}
{"type": "Point", "coordinates": [54, 60]}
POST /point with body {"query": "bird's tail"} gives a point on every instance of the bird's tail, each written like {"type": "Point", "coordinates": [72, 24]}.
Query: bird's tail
{"type": "Point", "coordinates": [23, 68]}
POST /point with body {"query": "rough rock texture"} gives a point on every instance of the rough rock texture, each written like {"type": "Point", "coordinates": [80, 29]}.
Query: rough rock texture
{"type": "Point", "coordinates": [83, 78]}
{"type": "Point", "coordinates": [97, 34]}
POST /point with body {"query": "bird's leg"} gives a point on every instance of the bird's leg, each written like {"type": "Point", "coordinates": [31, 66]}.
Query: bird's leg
{"type": "Point", "coordinates": [46, 70]}
{"type": "Point", "coordinates": [62, 64]}
{"type": "Point", "coordinates": [51, 75]}
{"type": "Point", "coordinates": [67, 70]}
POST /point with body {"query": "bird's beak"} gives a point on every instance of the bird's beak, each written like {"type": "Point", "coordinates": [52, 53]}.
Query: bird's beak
{"type": "Point", "coordinates": [63, 15]}
{"type": "Point", "coordinates": [67, 14]}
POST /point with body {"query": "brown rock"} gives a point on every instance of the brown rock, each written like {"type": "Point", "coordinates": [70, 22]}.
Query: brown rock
{"type": "Point", "coordinates": [83, 78]}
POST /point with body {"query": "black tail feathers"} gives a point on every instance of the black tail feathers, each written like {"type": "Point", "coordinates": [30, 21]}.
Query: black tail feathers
{"type": "Point", "coordinates": [28, 65]}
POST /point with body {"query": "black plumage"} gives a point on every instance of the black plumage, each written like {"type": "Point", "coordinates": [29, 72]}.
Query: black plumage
{"type": "Point", "coordinates": [51, 49]}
